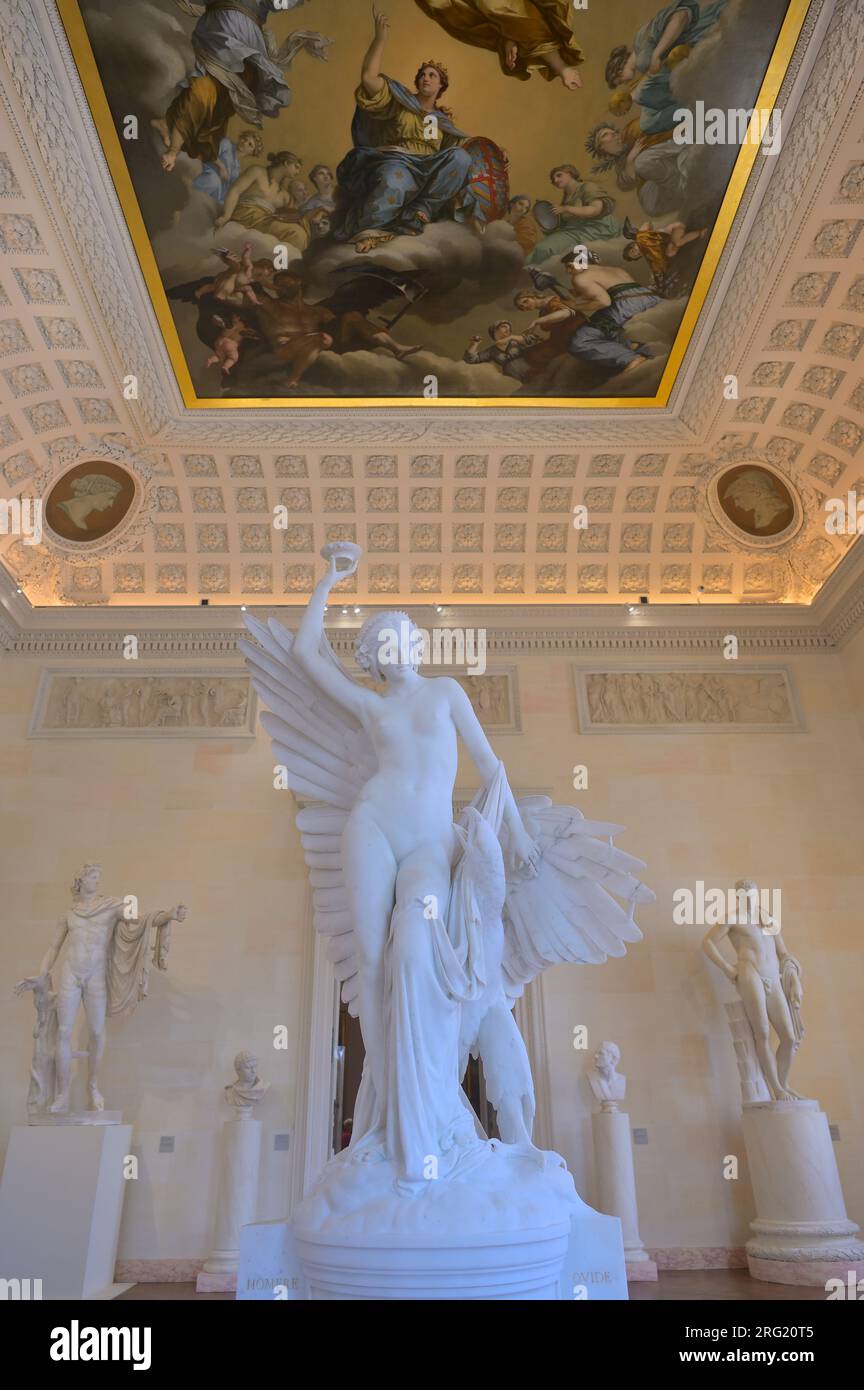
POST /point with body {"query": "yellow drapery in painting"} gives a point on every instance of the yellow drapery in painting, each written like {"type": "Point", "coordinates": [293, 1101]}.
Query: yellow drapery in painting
{"type": "Point", "coordinates": [537, 26]}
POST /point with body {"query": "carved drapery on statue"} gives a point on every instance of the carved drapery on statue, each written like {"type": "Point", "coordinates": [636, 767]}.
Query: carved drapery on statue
{"type": "Point", "coordinates": [135, 946]}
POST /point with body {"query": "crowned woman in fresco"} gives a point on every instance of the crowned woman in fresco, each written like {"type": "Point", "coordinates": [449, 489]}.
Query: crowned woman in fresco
{"type": "Point", "coordinates": [410, 164]}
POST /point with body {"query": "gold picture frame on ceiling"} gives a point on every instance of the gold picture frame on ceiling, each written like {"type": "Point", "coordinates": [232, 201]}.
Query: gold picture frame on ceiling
{"type": "Point", "coordinates": [109, 138]}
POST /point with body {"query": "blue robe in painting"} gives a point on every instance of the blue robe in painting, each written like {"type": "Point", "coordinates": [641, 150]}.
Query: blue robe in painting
{"type": "Point", "coordinates": [391, 189]}
{"type": "Point", "coordinates": [655, 96]}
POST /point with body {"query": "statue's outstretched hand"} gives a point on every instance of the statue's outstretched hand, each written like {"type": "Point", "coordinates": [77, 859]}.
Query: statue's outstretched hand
{"type": "Point", "coordinates": [178, 913]}
{"type": "Point", "coordinates": [342, 560]}
{"type": "Point", "coordinates": [525, 851]}
{"type": "Point", "coordinates": [34, 982]}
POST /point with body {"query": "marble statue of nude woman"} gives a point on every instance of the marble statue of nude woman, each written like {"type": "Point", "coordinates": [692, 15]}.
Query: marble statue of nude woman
{"type": "Point", "coordinates": [527, 35]}
{"type": "Point", "coordinates": [434, 926]}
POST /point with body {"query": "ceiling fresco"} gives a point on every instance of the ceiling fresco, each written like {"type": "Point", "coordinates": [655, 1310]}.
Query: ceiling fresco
{"type": "Point", "coordinates": [515, 202]}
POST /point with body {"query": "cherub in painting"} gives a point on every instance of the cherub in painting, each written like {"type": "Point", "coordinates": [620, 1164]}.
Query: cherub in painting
{"type": "Point", "coordinates": [527, 35]}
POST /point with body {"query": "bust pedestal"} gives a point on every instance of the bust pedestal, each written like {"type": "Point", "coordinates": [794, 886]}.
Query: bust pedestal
{"type": "Point", "coordinates": [616, 1186]}
{"type": "Point", "coordinates": [801, 1234]}
{"type": "Point", "coordinates": [236, 1203]}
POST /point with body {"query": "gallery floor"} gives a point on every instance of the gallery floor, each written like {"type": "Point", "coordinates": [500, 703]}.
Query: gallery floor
{"type": "Point", "coordinates": [710, 1285]}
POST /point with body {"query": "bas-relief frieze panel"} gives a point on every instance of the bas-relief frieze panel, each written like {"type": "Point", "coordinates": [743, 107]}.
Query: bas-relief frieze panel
{"type": "Point", "coordinates": [682, 700]}
{"type": "Point", "coordinates": [495, 700]}
{"type": "Point", "coordinates": [121, 704]}
{"type": "Point", "coordinates": [202, 705]}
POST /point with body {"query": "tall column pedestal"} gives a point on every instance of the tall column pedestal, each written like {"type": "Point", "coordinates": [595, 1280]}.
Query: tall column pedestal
{"type": "Point", "coordinates": [801, 1234]}
{"type": "Point", "coordinates": [616, 1187]}
{"type": "Point", "coordinates": [236, 1203]}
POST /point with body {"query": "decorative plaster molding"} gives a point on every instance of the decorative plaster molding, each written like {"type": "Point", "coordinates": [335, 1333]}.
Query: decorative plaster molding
{"type": "Point", "coordinates": [592, 630]}
{"type": "Point", "coordinates": [30, 43]}
{"type": "Point", "coordinates": [37, 53]}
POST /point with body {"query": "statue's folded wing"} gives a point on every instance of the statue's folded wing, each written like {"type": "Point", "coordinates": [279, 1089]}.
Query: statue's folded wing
{"type": "Point", "coordinates": [568, 911]}
{"type": "Point", "coordinates": [327, 757]}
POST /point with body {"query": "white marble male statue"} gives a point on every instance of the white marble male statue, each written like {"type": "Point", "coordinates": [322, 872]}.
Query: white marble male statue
{"type": "Point", "coordinates": [768, 980]}
{"type": "Point", "coordinates": [248, 1089]}
{"type": "Point", "coordinates": [608, 1086]}
{"type": "Point", "coordinates": [105, 967]}
{"type": "Point", "coordinates": [435, 928]}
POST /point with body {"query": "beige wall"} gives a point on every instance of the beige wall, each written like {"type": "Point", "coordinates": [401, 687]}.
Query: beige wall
{"type": "Point", "coordinates": [201, 823]}
{"type": "Point", "coordinates": [170, 820]}
{"type": "Point", "coordinates": [853, 663]}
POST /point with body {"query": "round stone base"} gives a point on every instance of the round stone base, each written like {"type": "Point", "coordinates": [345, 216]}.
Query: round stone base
{"type": "Point", "coordinates": [506, 1265]}
{"type": "Point", "coordinates": [497, 1226]}
{"type": "Point", "coordinates": [810, 1274]}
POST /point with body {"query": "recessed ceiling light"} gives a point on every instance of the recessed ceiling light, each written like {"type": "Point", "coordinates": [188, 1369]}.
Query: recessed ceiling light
{"type": "Point", "coordinates": [356, 610]}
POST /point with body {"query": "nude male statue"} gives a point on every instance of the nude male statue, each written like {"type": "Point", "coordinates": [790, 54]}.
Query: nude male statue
{"type": "Point", "coordinates": [105, 966]}
{"type": "Point", "coordinates": [768, 979]}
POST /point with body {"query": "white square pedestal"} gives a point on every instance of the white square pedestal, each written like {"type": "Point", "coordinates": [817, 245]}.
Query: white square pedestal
{"type": "Point", "coordinates": [594, 1267]}
{"type": "Point", "coordinates": [269, 1266]}
{"type": "Point", "coordinates": [61, 1199]}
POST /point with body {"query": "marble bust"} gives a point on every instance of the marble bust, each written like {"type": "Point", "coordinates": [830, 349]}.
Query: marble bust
{"type": "Point", "coordinates": [605, 1082]}
{"type": "Point", "coordinates": [247, 1089]}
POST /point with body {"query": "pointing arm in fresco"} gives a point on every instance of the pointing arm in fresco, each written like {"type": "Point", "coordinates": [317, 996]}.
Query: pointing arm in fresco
{"type": "Point", "coordinates": [527, 35]}
{"type": "Point", "coordinates": [370, 77]}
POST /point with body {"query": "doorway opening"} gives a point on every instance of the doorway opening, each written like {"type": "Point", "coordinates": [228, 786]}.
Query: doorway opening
{"type": "Point", "coordinates": [349, 1069]}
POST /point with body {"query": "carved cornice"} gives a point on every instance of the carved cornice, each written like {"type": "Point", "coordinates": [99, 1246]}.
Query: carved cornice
{"type": "Point", "coordinates": [588, 630]}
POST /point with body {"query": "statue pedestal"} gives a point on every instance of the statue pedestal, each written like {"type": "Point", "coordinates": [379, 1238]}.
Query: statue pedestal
{"type": "Point", "coordinates": [61, 1199]}
{"type": "Point", "coordinates": [269, 1268]}
{"type": "Point", "coordinates": [801, 1234]}
{"type": "Point", "coordinates": [236, 1203]}
{"type": "Point", "coordinates": [616, 1187]}
{"type": "Point", "coordinates": [506, 1223]}
{"type": "Point", "coordinates": [487, 1266]}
